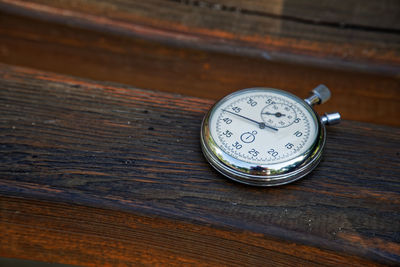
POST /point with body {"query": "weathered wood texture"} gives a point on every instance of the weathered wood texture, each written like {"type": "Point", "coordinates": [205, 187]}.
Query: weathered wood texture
{"type": "Point", "coordinates": [354, 31]}
{"type": "Point", "coordinates": [99, 173]}
{"type": "Point", "coordinates": [198, 49]}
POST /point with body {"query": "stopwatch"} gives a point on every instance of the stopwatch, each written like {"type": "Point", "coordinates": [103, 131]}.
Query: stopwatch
{"type": "Point", "coordinates": [266, 136]}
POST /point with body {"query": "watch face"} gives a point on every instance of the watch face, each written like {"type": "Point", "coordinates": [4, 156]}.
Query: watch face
{"type": "Point", "coordinates": [263, 126]}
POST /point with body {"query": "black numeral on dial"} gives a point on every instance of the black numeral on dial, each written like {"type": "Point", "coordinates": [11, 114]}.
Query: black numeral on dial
{"type": "Point", "coordinates": [273, 152]}
{"type": "Point", "coordinates": [254, 152]}
{"type": "Point", "coordinates": [237, 145]}
{"type": "Point", "coordinates": [269, 101]}
{"type": "Point", "coordinates": [252, 102]}
{"type": "Point", "coordinates": [236, 109]}
{"type": "Point", "coordinates": [298, 134]}
{"type": "Point", "coordinates": [227, 133]}
{"type": "Point", "coordinates": [289, 145]}
{"type": "Point", "coordinates": [227, 121]}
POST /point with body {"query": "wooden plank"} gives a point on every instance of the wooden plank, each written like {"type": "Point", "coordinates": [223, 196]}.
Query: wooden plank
{"type": "Point", "coordinates": [98, 173]}
{"type": "Point", "coordinates": [145, 64]}
{"type": "Point", "coordinates": [298, 31]}
{"type": "Point", "coordinates": [82, 235]}
{"type": "Point", "coordinates": [361, 14]}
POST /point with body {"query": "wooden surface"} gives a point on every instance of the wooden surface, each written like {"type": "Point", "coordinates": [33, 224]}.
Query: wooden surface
{"type": "Point", "coordinates": [97, 173]}
{"type": "Point", "coordinates": [208, 50]}
{"type": "Point", "coordinates": [345, 32]}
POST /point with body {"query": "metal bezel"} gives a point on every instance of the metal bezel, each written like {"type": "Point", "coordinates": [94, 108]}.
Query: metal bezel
{"type": "Point", "coordinates": [267, 174]}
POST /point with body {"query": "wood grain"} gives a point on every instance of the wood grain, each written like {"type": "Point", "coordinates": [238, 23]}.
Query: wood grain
{"type": "Point", "coordinates": [291, 30]}
{"type": "Point", "coordinates": [81, 235]}
{"type": "Point", "coordinates": [99, 173]}
{"type": "Point", "coordinates": [360, 96]}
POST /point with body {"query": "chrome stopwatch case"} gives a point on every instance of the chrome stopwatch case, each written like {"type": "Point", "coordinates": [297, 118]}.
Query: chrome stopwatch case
{"type": "Point", "coordinates": [265, 136]}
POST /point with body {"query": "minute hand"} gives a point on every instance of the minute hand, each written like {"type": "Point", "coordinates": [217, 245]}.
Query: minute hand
{"type": "Point", "coordinates": [260, 124]}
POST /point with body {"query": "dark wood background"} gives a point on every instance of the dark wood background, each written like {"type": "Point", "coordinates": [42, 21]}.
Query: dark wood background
{"type": "Point", "coordinates": [101, 160]}
{"type": "Point", "coordinates": [94, 171]}
{"type": "Point", "coordinates": [208, 50]}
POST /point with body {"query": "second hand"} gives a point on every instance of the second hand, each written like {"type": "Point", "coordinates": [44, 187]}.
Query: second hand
{"type": "Point", "coordinates": [260, 124]}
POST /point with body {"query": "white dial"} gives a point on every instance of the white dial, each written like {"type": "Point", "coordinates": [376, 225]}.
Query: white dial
{"type": "Point", "coordinates": [263, 127]}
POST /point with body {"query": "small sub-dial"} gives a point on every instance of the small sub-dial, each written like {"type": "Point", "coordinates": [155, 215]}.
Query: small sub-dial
{"type": "Point", "coordinates": [278, 115]}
